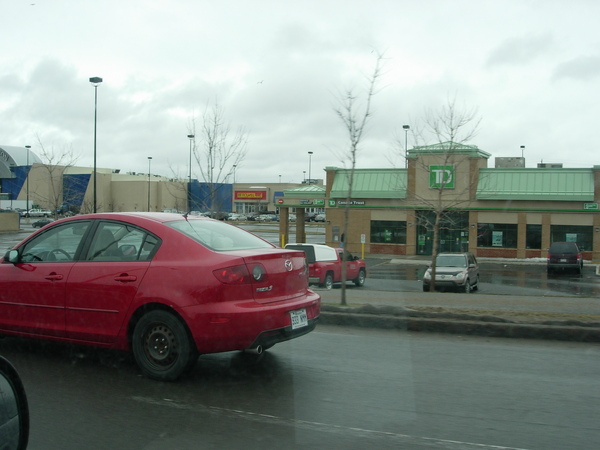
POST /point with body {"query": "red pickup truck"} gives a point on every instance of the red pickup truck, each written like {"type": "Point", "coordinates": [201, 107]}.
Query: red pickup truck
{"type": "Point", "coordinates": [325, 264]}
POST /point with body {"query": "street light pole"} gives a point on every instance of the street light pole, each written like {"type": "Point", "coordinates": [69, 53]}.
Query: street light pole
{"type": "Point", "coordinates": [309, 166]}
{"type": "Point", "coordinates": [406, 128]}
{"type": "Point", "coordinates": [234, 166]}
{"type": "Point", "coordinates": [149, 161]}
{"type": "Point", "coordinates": [191, 138]}
{"type": "Point", "coordinates": [27, 182]}
{"type": "Point", "coordinates": [95, 82]}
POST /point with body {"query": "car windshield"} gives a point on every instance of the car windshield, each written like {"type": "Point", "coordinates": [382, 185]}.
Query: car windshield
{"type": "Point", "coordinates": [451, 261]}
{"type": "Point", "coordinates": [219, 236]}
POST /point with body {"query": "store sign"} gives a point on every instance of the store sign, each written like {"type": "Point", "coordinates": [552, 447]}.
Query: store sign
{"type": "Point", "coordinates": [590, 206]}
{"type": "Point", "coordinates": [441, 177]}
{"type": "Point", "coordinates": [250, 195]}
{"type": "Point", "coordinates": [351, 203]}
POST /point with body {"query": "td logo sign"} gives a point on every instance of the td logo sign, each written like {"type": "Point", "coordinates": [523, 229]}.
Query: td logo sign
{"type": "Point", "coordinates": [441, 177]}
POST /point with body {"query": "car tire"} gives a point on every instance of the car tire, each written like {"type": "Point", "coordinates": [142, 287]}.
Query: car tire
{"type": "Point", "coordinates": [328, 283]}
{"type": "Point", "coordinates": [360, 279]}
{"type": "Point", "coordinates": [475, 287]}
{"type": "Point", "coordinates": [162, 346]}
{"type": "Point", "coordinates": [467, 286]}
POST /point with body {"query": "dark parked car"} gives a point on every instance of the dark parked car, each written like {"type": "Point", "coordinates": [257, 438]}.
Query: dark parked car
{"type": "Point", "coordinates": [40, 223]}
{"type": "Point", "coordinates": [458, 271]}
{"type": "Point", "coordinates": [564, 256]}
{"type": "Point", "coordinates": [165, 286]}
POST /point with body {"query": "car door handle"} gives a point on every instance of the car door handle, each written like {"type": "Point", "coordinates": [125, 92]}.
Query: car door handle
{"type": "Point", "coordinates": [126, 278]}
{"type": "Point", "coordinates": [54, 277]}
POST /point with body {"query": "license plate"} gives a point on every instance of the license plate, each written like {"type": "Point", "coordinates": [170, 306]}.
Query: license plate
{"type": "Point", "coordinates": [562, 260]}
{"type": "Point", "coordinates": [299, 319]}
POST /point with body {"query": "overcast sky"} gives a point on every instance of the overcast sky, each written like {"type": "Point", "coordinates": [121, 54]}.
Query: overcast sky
{"type": "Point", "coordinates": [531, 69]}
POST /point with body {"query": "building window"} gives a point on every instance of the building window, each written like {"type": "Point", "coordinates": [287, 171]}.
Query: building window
{"type": "Point", "coordinates": [500, 235]}
{"type": "Point", "coordinates": [388, 232]}
{"type": "Point", "coordinates": [582, 235]}
{"type": "Point", "coordinates": [533, 236]}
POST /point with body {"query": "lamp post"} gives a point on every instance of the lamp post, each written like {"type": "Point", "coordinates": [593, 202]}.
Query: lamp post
{"type": "Point", "coordinates": [149, 161]}
{"type": "Point", "coordinates": [309, 166]}
{"type": "Point", "coordinates": [27, 182]}
{"type": "Point", "coordinates": [522, 151]}
{"type": "Point", "coordinates": [406, 128]}
{"type": "Point", "coordinates": [234, 166]}
{"type": "Point", "coordinates": [95, 82]}
{"type": "Point", "coordinates": [191, 138]}
{"type": "Point", "coordinates": [304, 176]}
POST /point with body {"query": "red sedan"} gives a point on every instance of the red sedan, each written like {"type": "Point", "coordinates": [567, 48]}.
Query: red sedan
{"type": "Point", "coordinates": [165, 286]}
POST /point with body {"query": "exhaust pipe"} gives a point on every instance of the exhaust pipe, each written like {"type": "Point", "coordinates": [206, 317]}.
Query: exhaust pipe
{"type": "Point", "coordinates": [255, 351]}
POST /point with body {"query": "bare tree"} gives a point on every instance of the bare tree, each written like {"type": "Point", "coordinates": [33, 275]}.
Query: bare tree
{"type": "Point", "coordinates": [217, 150]}
{"type": "Point", "coordinates": [355, 119]}
{"type": "Point", "coordinates": [57, 161]}
{"type": "Point", "coordinates": [452, 128]}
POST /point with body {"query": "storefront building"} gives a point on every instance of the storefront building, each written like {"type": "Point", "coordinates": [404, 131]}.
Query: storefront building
{"type": "Point", "coordinates": [506, 212]}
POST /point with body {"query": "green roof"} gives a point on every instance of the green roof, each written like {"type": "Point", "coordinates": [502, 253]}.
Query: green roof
{"type": "Point", "coordinates": [445, 147]}
{"type": "Point", "coordinates": [370, 183]}
{"type": "Point", "coordinates": [308, 191]}
{"type": "Point", "coordinates": [557, 184]}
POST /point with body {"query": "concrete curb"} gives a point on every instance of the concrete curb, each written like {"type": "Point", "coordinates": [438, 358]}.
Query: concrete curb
{"type": "Point", "coordinates": [407, 320]}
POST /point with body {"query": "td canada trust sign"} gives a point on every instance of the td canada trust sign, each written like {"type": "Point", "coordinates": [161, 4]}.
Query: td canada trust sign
{"type": "Point", "coordinates": [442, 177]}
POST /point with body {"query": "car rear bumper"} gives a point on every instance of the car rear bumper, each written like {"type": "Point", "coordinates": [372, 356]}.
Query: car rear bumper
{"type": "Point", "coordinates": [239, 325]}
{"type": "Point", "coordinates": [269, 338]}
{"type": "Point", "coordinates": [564, 266]}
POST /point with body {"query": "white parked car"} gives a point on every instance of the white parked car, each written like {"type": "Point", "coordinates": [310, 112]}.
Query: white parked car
{"type": "Point", "coordinates": [38, 213]}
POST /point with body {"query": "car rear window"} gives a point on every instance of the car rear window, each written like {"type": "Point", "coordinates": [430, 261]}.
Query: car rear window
{"type": "Point", "coordinates": [563, 247]}
{"type": "Point", "coordinates": [219, 236]}
{"type": "Point", "coordinates": [308, 250]}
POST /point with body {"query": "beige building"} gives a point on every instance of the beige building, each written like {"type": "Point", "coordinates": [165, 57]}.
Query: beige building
{"type": "Point", "coordinates": [509, 212]}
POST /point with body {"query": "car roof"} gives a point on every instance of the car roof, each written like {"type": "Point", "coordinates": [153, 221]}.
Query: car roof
{"type": "Point", "coordinates": [154, 216]}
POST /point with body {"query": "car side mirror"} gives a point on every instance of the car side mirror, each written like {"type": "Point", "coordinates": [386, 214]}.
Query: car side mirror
{"type": "Point", "coordinates": [12, 256]}
{"type": "Point", "coordinates": [14, 410]}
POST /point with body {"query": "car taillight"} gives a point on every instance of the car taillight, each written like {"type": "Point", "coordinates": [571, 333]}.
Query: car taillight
{"type": "Point", "coordinates": [233, 275]}
{"type": "Point", "coordinates": [240, 274]}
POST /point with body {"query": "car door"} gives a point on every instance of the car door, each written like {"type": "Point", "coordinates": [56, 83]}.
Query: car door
{"type": "Point", "coordinates": [103, 284]}
{"type": "Point", "coordinates": [32, 290]}
{"type": "Point", "coordinates": [352, 266]}
{"type": "Point", "coordinates": [472, 268]}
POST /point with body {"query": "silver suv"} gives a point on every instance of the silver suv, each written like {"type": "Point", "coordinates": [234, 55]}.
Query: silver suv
{"type": "Point", "coordinates": [458, 271]}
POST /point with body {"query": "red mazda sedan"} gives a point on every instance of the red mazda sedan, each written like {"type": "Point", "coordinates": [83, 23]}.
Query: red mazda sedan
{"type": "Point", "coordinates": [165, 286]}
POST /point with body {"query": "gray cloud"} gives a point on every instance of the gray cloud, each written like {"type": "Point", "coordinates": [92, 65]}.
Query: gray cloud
{"type": "Point", "coordinates": [519, 50]}
{"type": "Point", "coordinates": [582, 68]}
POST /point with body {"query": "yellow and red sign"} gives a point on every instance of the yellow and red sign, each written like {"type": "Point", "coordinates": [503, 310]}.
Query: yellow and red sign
{"type": "Point", "coordinates": [250, 195]}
